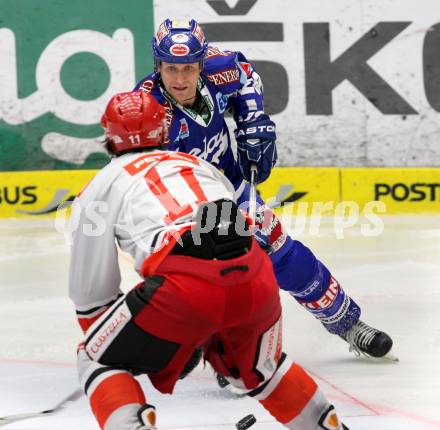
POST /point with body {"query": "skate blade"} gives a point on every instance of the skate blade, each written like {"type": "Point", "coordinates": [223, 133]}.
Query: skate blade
{"type": "Point", "coordinates": [391, 357]}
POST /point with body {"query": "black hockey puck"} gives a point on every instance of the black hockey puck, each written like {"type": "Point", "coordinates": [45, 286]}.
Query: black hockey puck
{"type": "Point", "coordinates": [246, 422]}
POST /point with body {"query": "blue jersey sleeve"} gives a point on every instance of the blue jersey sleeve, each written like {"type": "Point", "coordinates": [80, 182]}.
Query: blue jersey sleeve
{"type": "Point", "coordinates": [237, 79]}
{"type": "Point", "coordinates": [248, 102]}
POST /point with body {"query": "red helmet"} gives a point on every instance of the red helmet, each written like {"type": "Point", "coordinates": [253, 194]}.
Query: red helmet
{"type": "Point", "coordinates": [133, 120]}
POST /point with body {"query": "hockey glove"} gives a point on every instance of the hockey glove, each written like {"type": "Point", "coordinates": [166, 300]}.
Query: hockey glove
{"type": "Point", "coordinates": [256, 144]}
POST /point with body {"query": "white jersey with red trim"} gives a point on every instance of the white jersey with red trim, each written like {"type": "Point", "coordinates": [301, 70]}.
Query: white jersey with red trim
{"type": "Point", "coordinates": [138, 201]}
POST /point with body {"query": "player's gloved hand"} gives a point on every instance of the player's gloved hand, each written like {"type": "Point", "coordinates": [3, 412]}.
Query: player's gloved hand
{"type": "Point", "coordinates": [256, 145]}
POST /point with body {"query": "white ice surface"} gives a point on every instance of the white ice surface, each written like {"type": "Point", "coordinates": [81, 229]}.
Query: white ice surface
{"type": "Point", "coordinates": [394, 277]}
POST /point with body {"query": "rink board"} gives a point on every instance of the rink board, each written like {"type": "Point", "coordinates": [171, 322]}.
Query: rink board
{"type": "Point", "coordinates": [294, 190]}
{"type": "Point", "coordinates": [39, 193]}
{"type": "Point", "coordinates": [409, 190]}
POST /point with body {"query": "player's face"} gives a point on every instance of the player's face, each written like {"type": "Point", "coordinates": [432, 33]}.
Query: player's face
{"type": "Point", "coordinates": [180, 80]}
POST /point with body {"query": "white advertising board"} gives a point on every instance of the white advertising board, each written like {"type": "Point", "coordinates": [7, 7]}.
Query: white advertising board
{"type": "Point", "coordinates": [348, 82]}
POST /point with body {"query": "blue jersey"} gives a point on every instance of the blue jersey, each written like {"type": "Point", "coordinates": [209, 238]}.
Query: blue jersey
{"type": "Point", "coordinates": [227, 82]}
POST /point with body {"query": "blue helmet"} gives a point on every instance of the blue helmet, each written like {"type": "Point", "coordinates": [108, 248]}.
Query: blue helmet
{"type": "Point", "coordinates": [179, 42]}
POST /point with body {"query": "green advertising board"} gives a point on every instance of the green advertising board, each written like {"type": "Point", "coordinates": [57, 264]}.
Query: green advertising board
{"type": "Point", "coordinates": [60, 62]}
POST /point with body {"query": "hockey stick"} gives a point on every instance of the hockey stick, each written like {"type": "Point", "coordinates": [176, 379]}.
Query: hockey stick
{"type": "Point", "coordinates": [9, 419]}
{"type": "Point", "coordinates": [253, 192]}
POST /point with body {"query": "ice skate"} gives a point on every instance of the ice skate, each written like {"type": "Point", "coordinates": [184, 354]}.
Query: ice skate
{"type": "Point", "coordinates": [368, 341]}
{"type": "Point", "coordinates": [147, 416]}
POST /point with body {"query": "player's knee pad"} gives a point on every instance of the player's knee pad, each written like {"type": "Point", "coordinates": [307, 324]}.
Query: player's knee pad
{"type": "Point", "coordinates": [92, 374]}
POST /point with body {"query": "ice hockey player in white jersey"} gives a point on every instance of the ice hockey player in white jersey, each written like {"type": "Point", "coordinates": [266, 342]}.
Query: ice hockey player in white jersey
{"type": "Point", "coordinates": [208, 288]}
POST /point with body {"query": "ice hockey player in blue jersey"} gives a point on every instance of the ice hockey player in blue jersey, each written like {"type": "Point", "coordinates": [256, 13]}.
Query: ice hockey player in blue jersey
{"type": "Point", "coordinates": [197, 83]}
